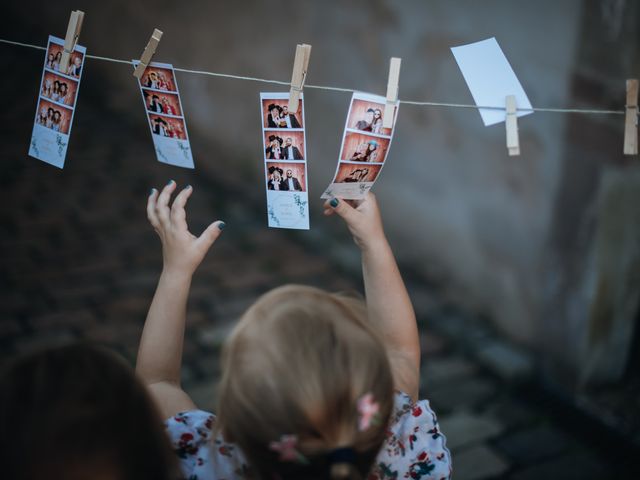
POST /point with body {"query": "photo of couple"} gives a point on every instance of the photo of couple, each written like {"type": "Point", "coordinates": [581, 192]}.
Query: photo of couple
{"type": "Point", "coordinates": [58, 89]}
{"type": "Point", "coordinates": [349, 173]}
{"type": "Point", "coordinates": [53, 116]}
{"type": "Point", "coordinates": [54, 56]}
{"type": "Point", "coordinates": [276, 114]}
{"type": "Point", "coordinates": [167, 127]}
{"type": "Point", "coordinates": [158, 78]}
{"type": "Point", "coordinates": [364, 148]}
{"type": "Point", "coordinates": [289, 147]}
{"type": "Point", "coordinates": [167, 103]}
{"type": "Point", "coordinates": [285, 177]}
{"type": "Point", "coordinates": [367, 116]}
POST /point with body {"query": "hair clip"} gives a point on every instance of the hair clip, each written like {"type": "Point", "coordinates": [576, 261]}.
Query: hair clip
{"type": "Point", "coordinates": [286, 447]}
{"type": "Point", "coordinates": [368, 411]}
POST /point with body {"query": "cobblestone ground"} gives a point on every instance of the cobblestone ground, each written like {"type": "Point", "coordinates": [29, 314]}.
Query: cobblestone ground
{"type": "Point", "coordinates": [79, 261]}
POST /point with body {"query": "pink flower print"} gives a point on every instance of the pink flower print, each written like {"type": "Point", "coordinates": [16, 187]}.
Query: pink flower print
{"type": "Point", "coordinates": [368, 410]}
{"type": "Point", "coordinates": [287, 449]}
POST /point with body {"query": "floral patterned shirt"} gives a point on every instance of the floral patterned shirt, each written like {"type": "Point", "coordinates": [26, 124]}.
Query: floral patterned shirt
{"type": "Point", "coordinates": [414, 448]}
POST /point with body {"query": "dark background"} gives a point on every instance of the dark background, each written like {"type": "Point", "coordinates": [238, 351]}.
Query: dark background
{"type": "Point", "coordinates": [523, 270]}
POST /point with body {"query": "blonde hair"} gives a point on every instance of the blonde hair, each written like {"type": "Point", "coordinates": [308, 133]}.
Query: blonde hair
{"type": "Point", "coordinates": [296, 364]}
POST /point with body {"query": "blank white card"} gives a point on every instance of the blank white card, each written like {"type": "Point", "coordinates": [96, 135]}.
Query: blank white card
{"type": "Point", "coordinates": [490, 78]}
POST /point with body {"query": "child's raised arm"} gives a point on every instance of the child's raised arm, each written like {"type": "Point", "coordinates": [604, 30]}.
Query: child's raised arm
{"type": "Point", "coordinates": [388, 302]}
{"type": "Point", "coordinates": [160, 352]}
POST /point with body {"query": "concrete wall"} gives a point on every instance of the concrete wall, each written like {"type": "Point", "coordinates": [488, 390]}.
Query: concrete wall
{"type": "Point", "coordinates": [462, 209]}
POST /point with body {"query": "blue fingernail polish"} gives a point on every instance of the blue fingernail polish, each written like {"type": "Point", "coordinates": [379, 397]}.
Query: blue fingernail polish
{"type": "Point", "coordinates": [188, 186]}
{"type": "Point", "coordinates": [169, 182]}
{"type": "Point", "coordinates": [152, 191]}
{"type": "Point", "coordinates": [334, 202]}
{"type": "Point", "coordinates": [221, 225]}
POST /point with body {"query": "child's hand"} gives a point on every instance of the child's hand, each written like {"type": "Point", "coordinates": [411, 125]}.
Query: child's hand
{"type": "Point", "coordinates": [182, 252]}
{"type": "Point", "coordinates": [363, 219]}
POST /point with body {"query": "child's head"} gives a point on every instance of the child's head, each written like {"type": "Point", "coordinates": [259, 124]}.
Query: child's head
{"type": "Point", "coordinates": [297, 363]}
{"type": "Point", "coordinates": [79, 412]}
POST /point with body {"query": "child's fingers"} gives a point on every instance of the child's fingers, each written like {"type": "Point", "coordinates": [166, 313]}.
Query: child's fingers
{"type": "Point", "coordinates": [151, 209]}
{"type": "Point", "coordinates": [342, 208]}
{"type": "Point", "coordinates": [162, 205]}
{"type": "Point", "coordinates": [212, 232]}
{"type": "Point", "coordinates": [178, 213]}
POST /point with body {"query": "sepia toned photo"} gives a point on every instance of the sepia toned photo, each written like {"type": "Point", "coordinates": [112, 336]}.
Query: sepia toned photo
{"type": "Point", "coordinates": [367, 116]}
{"type": "Point", "coordinates": [275, 114]}
{"type": "Point", "coordinates": [158, 102]}
{"type": "Point", "coordinates": [159, 78]}
{"type": "Point", "coordinates": [54, 116]}
{"type": "Point", "coordinates": [54, 57]}
{"type": "Point", "coordinates": [169, 127]}
{"type": "Point", "coordinates": [281, 145]}
{"type": "Point", "coordinates": [364, 148]}
{"type": "Point", "coordinates": [288, 177]}
{"type": "Point", "coordinates": [353, 173]}
{"type": "Point", "coordinates": [58, 89]}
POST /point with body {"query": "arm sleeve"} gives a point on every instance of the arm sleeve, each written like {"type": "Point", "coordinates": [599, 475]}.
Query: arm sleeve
{"type": "Point", "coordinates": [414, 448]}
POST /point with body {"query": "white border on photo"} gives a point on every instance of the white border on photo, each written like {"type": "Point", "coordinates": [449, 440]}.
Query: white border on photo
{"type": "Point", "coordinates": [68, 77]}
{"type": "Point", "coordinates": [364, 132]}
{"type": "Point", "coordinates": [349, 191]}
{"type": "Point", "coordinates": [64, 105]}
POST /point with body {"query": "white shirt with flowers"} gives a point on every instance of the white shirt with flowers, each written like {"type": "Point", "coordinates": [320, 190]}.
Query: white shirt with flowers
{"type": "Point", "coordinates": [414, 447]}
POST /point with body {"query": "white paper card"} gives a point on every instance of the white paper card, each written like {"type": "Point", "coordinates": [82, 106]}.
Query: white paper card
{"type": "Point", "coordinates": [490, 78]}
{"type": "Point", "coordinates": [165, 115]}
{"type": "Point", "coordinates": [285, 161]}
{"type": "Point", "coordinates": [364, 149]}
{"type": "Point", "coordinates": [56, 104]}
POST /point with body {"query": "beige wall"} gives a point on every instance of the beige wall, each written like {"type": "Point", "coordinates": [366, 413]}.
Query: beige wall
{"type": "Point", "coordinates": [463, 210]}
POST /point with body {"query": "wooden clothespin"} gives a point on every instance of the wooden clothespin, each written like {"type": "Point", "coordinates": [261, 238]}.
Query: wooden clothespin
{"type": "Point", "coordinates": [148, 53]}
{"type": "Point", "coordinates": [71, 39]}
{"type": "Point", "coordinates": [631, 119]}
{"type": "Point", "coordinates": [300, 66]}
{"type": "Point", "coordinates": [511, 122]}
{"type": "Point", "coordinates": [392, 92]}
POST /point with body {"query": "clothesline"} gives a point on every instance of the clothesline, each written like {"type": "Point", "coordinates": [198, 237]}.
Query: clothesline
{"type": "Point", "coordinates": [340, 89]}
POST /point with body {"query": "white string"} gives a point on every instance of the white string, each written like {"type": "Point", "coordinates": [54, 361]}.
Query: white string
{"type": "Point", "coordinates": [340, 89]}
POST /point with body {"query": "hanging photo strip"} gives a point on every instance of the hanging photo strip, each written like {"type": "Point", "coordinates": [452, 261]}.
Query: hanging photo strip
{"type": "Point", "coordinates": [285, 165]}
{"type": "Point", "coordinates": [165, 114]}
{"type": "Point", "coordinates": [56, 104]}
{"type": "Point", "coordinates": [364, 149]}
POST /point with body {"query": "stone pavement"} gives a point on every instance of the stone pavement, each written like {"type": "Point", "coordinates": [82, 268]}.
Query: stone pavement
{"type": "Point", "coordinates": [79, 261]}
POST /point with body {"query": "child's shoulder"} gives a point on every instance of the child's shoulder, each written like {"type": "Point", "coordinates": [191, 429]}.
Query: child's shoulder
{"type": "Point", "coordinates": [202, 452]}
{"type": "Point", "coordinates": [414, 446]}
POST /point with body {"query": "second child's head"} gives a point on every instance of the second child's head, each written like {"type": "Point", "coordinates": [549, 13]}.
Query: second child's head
{"type": "Point", "coordinates": [295, 369]}
{"type": "Point", "coordinates": [78, 412]}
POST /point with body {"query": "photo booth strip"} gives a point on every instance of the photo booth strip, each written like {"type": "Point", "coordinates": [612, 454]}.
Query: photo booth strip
{"type": "Point", "coordinates": [56, 105]}
{"type": "Point", "coordinates": [165, 114]}
{"type": "Point", "coordinates": [284, 156]}
{"type": "Point", "coordinates": [364, 149]}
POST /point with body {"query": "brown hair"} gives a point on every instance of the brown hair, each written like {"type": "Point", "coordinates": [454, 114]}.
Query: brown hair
{"type": "Point", "coordinates": [297, 363]}
{"type": "Point", "coordinates": [79, 412]}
